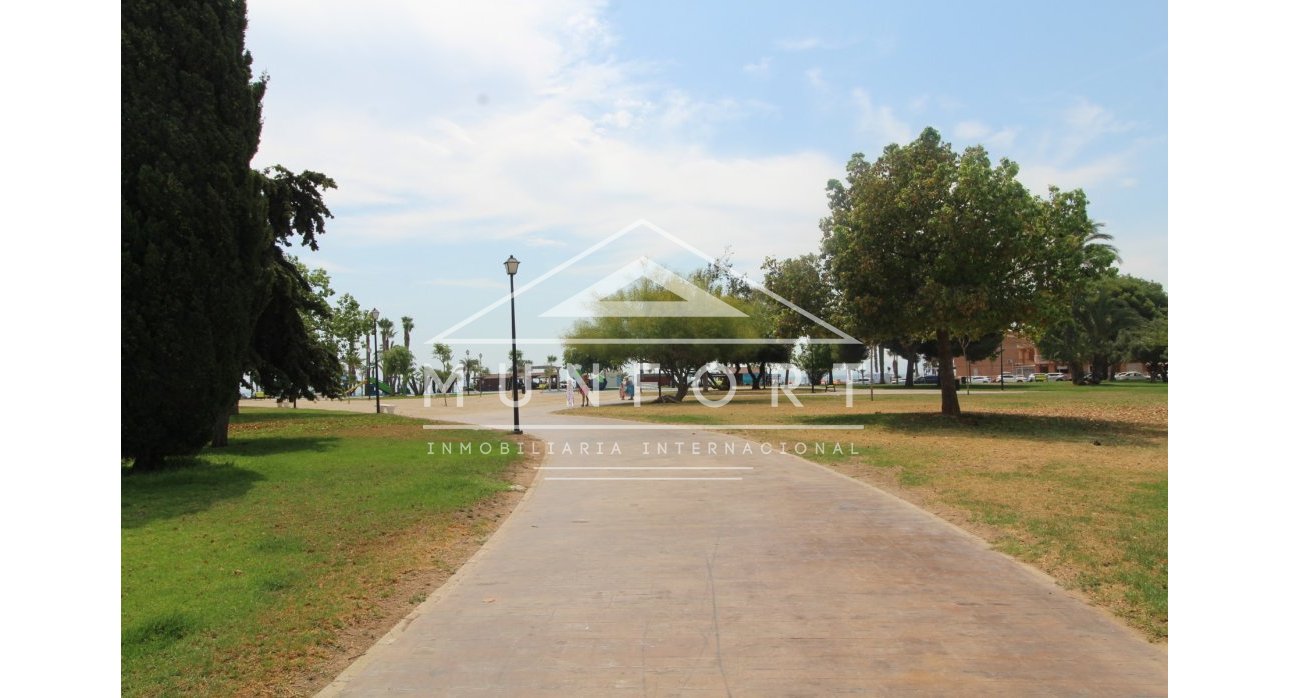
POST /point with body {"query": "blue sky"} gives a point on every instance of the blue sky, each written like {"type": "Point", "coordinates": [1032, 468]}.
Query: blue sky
{"type": "Point", "coordinates": [460, 134]}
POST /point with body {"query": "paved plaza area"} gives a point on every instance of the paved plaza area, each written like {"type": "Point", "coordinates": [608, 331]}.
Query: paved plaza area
{"type": "Point", "coordinates": [680, 561]}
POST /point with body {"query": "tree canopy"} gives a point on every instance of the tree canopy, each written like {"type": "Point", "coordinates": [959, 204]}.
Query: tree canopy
{"type": "Point", "coordinates": [928, 243]}
{"type": "Point", "coordinates": [658, 338]}
{"type": "Point", "coordinates": [1112, 318]}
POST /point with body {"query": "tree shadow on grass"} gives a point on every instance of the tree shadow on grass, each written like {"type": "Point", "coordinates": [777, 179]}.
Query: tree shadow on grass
{"type": "Point", "coordinates": [1016, 426]}
{"type": "Point", "coordinates": [286, 415]}
{"type": "Point", "coordinates": [269, 445]}
{"type": "Point", "coordinates": [185, 486]}
{"type": "Point", "coordinates": [194, 484]}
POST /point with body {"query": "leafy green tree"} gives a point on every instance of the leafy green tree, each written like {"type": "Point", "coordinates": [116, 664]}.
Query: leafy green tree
{"type": "Point", "coordinates": [349, 323]}
{"type": "Point", "coordinates": [925, 242]}
{"type": "Point", "coordinates": [804, 282]}
{"type": "Point", "coordinates": [1103, 323]}
{"type": "Point", "coordinates": [201, 262]}
{"type": "Point", "coordinates": [397, 364]}
{"type": "Point", "coordinates": [443, 353]}
{"type": "Point", "coordinates": [1149, 344]}
{"type": "Point", "coordinates": [815, 360]}
{"type": "Point", "coordinates": [290, 356]}
{"type": "Point", "coordinates": [636, 339]}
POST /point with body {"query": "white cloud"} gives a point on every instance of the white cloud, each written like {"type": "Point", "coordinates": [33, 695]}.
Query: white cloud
{"type": "Point", "coordinates": [805, 43]}
{"type": "Point", "coordinates": [1085, 148]}
{"type": "Point", "coordinates": [879, 121]}
{"type": "Point", "coordinates": [1037, 177]}
{"type": "Point", "coordinates": [568, 139]}
{"type": "Point", "coordinates": [1082, 124]}
{"type": "Point", "coordinates": [760, 68]}
{"type": "Point", "coordinates": [976, 132]}
{"type": "Point", "coordinates": [815, 78]}
{"type": "Point", "coordinates": [538, 241]}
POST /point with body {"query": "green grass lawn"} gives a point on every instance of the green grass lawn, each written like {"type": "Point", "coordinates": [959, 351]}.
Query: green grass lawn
{"type": "Point", "coordinates": [242, 567]}
{"type": "Point", "coordinates": [1073, 479]}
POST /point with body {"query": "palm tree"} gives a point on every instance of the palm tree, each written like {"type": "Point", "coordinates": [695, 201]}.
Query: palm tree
{"type": "Point", "coordinates": [407, 333]}
{"type": "Point", "coordinates": [387, 332]}
{"type": "Point", "coordinates": [552, 371]}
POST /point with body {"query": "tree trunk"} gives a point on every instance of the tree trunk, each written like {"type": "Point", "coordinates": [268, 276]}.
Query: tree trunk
{"type": "Point", "coordinates": [219, 432]}
{"type": "Point", "coordinates": [949, 391]}
{"type": "Point", "coordinates": [682, 388]}
{"type": "Point", "coordinates": [909, 368]}
{"type": "Point", "coordinates": [1077, 370]}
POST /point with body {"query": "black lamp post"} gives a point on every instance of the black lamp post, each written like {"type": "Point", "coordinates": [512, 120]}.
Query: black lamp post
{"type": "Point", "coordinates": [513, 266]}
{"type": "Point", "coordinates": [376, 359]}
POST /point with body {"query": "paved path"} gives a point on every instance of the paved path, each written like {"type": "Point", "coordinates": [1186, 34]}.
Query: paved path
{"type": "Point", "coordinates": [790, 580]}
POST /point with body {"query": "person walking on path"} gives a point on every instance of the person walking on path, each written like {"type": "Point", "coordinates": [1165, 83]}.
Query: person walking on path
{"type": "Point", "coordinates": [584, 387]}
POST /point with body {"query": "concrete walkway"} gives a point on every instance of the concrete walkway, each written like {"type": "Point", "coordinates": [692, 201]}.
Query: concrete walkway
{"type": "Point", "coordinates": [776, 578]}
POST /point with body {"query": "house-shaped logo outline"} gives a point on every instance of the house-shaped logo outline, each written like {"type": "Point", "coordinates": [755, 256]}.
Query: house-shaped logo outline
{"type": "Point", "coordinates": [839, 337]}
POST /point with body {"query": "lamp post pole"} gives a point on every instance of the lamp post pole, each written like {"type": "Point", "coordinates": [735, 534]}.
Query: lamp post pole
{"type": "Point", "coordinates": [376, 359]}
{"type": "Point", "coordinates": [1001, 347]}
{"type": "Point", "coordinates": [513, 266]}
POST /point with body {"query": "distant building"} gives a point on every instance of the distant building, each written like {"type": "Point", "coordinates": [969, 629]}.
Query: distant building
{"type": "Point", "coordinates": [1018, 356]}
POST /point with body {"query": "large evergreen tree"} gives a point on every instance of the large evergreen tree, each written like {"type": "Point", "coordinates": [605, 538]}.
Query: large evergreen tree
{"type": "Point", "coordinates": [200, 229]}
{"type": "Point", "coordinates": [192, 240]}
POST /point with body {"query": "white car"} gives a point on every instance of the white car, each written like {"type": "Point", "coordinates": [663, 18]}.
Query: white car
{"type": "Point", "coordinates": [1132, 376]}
{"type": "Point", "coordinates": [978, 379]}
{"type": "Point", "coordinates": [1006, 378]}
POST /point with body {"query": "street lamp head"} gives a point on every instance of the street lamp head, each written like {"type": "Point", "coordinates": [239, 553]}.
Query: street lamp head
{"type": "Point", "coordinates": [512, 265]}
{"type": "Point", "coordinates": [375, 314]}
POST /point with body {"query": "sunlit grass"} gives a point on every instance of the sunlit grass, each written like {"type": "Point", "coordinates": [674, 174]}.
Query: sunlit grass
{"type": "Point", "coordinates": [240, 566]}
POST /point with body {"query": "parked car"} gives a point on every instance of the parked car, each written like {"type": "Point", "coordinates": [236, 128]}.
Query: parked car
{"type": "Point", "coordinates": [931, 379]}
{"type": "Point", "coordinates": [978, 379]}
{"type": "Point", "coordinates": [1058, 377]}
{"type": "Point", "coordinates": [1006, 378]}
{"type": "Point", "coordinates": [1132, 376]}
{"type": "Point", "coordinates": [1037, 378]}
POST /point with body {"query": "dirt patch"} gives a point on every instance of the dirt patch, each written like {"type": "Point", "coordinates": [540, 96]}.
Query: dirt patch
{"type": "Point", "coordinates": [434, 553]}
